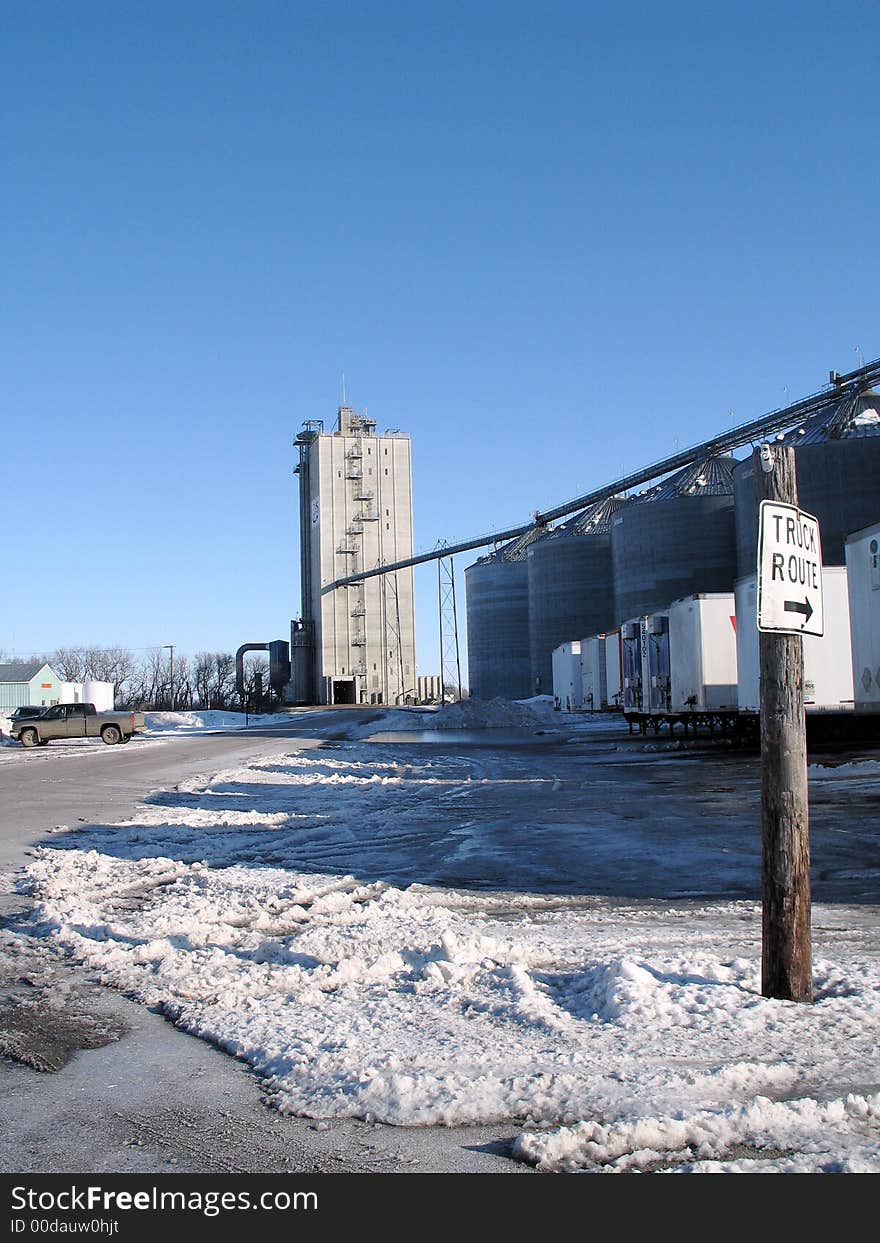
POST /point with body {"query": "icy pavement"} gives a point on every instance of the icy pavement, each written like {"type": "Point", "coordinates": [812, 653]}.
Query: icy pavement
{"type": "Point", "coordinates": [419, 937]}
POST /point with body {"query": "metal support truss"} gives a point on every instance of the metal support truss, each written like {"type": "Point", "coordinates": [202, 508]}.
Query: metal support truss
{"type": "Point", "coordinates": [450, 659]}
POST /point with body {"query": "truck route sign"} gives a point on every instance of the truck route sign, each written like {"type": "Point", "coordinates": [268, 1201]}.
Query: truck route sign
{"type": "Point", "coordinates": [789, 570]}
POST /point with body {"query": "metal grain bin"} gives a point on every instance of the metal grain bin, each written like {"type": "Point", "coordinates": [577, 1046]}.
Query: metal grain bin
{"type": "Point", "coordinates": [837, 458]}
{"type": "Point", "coordinates": [677, 539]}
{"type": "Point", "coordinates": [571, 586]}
{"type": "Point", "coordinates": [497, 590]}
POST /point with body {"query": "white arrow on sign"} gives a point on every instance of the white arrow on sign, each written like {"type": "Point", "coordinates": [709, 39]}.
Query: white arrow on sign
{"type": "Point", "coordinates": [789, 570]}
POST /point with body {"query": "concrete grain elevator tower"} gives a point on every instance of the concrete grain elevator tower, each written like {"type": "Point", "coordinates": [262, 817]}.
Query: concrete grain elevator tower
{"type": "Point", "coordinates": [354, 644]}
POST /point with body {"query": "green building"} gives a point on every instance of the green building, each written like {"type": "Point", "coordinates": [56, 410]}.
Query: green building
{"type": "Point", "coordinates": [28, 683]}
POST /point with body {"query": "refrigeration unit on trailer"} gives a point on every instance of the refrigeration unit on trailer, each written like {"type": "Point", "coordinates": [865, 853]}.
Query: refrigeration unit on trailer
{"type": "Point", "coordinates": [631, 665]}
{"type": "Point", "coordinates": [863, 575]}
{"type": "Point", "coordinates": [566, 662]}
{"type": "Point", "coordinates": [828, 667]}
{"type": "Point", "coordinates": [656, 661]}
{"type": "Point", "coordinates": [702, 645]}
{"type": "Point", "coordinates": [644, 653]}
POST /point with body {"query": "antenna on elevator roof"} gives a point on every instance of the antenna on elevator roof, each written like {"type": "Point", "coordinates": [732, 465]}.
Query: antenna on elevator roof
{"type": "Point", "coordinates": [344, 402]}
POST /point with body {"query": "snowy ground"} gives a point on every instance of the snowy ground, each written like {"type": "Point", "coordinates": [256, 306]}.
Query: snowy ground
{"type": "Point", "coordinates": [420, 936]}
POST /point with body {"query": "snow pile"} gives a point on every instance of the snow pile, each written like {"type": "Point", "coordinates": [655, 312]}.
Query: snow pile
{"type": "Point", "coordinates": [468, 714]}
{"type": "Point", "coordinates": [798, 1136]}
{"type": "Point", "coordinates": [638, 1028]}
{"type": "Point", "coordinates": [495, 714]}
{"type": "Point", "coordinates": [855, 768]}
{"type": "Point", "coordinates": [392, 720]}
{"type": "Point", "coordinates": [189, 722]}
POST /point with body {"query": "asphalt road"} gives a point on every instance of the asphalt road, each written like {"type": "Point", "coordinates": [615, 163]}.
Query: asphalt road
{"type": "Point", "coordinates": [150, 1098]}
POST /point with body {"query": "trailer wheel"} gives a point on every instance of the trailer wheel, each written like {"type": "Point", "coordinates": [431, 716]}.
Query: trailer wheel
{"type": "Point", "coordinates": [111, 734]}
{"type": "Point", "coordinates": [29, 738]}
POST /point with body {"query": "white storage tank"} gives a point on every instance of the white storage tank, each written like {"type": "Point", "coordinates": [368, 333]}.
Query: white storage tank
{"type": "Point", "coordinates": [702, 651]}
{"type": "Point", "coordinates": [71, 692]}
{"type": "Point", "coordinates": [828, 669]}
{"type": "Point", "coordinates": [100, 694]}
{"type": "Point", "coordinates": [566, 662]}
{"type": "Point", "coordinates": [863, 576]}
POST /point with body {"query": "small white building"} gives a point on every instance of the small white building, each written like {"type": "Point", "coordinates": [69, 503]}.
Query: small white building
{"type": "Point", "coordinates": [863, 579]}
{"type": "Point", "coordinates": [32, 682]}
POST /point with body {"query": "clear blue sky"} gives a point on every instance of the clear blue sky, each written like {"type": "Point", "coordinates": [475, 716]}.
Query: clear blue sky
{"type": "Point", "coordinates": [548, 241]}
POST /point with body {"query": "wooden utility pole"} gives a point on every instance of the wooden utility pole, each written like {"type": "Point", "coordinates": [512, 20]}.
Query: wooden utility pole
{"type": "Point", "coordinates": [786, 966]}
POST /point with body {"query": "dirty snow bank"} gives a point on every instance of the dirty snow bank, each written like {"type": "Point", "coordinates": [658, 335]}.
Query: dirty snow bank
{"type": "Point", "coordinates": [638, 1028]}
{"type": "Point", "coordinates": [189, 722]}
{"type": "Point", "coordinates": [470, 714]}
{"type": "Point", "coordinates": [849, 770]}
{"type": "Point", "coordinates": [494, 714]}
{"type": "Point", "coordinates": [419, 1007]}
{"type": "Point", "coordinates": [795, 1136]}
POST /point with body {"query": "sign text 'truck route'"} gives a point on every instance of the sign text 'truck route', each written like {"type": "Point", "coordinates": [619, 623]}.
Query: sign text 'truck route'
{"type": "Point", "coordinates": [789, 570]}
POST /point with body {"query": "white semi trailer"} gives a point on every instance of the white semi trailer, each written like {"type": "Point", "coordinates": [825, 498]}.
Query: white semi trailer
{"type": "Point", "coordinates": [828, 667]}
{"type": "Point", "coordinates": [567, 680]}
{"type": "Point", "coordinates": [863, 581]}
{"type": "Point", "coordinates": [702, 653]}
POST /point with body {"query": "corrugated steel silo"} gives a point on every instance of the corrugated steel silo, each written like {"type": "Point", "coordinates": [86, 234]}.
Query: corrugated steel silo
{"type": "Point", "coordinates": [571, 586]}
{"type": "Point", "coordinates": [837, 458]}
{"type": "Point", "coordinates": [677, 539]}
{"type": "Point", "coordinates": [497, 591]}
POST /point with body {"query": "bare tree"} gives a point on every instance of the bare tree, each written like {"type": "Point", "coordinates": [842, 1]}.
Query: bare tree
{"type": "Point", "coordinates": [144, 681]}
{"type": "Point", "coordinates": [183, 686]}
{"type": "Point", "coordinates": [257, 692]}
{"type": "Point", "coordinates": [69, 664]}
{"type": "Point", "coordinates": [109, 664]}
{"type": "Point", "coordinates": [155, 680]}
{"type": "Point", "coordinates": [202, 678]}
{"type": "Point", "coordinates": [223, 692]}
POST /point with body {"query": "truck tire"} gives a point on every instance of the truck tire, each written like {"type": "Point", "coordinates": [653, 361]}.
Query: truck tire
{"type": "Point", "coordinates": [126, 738]}
{"type": "Point", "coordinates": [111, 734]}
{"type": "Point", "coordinates": [29, 738]}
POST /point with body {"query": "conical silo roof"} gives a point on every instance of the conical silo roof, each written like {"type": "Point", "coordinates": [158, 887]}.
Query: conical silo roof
{"type": "Point", "coordinates": [837, 462]}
